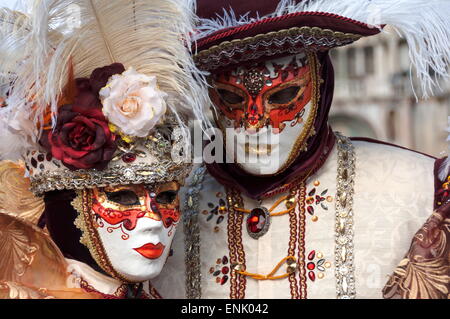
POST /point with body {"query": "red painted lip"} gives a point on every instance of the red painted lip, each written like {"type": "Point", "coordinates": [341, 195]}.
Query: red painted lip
{"type": "Point", "coordinates": [150, 250]}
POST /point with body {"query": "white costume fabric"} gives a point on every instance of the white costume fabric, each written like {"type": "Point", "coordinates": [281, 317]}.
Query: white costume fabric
{"type": "Point", "coordinates": [393, 197]}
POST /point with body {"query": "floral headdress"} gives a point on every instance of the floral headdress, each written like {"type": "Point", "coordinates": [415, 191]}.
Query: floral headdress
{"type": "Point", "coordinates": [101, 92]}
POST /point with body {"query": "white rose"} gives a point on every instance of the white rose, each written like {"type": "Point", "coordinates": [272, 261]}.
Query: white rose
{"type": "Point", "coordinates": [132, 102]}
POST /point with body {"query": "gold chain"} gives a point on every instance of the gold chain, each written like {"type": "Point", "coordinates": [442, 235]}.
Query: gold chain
{"type": "Point", "coordinates": [237, 255]}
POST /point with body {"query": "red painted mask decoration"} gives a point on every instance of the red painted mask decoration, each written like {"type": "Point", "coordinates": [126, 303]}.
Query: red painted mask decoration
{"type": "Point", "coordinates": [129, 229]}
{"type": "Point", "coordinates": [268, 109]}
{"type": "Point", "coordinates": [127, 203]}
{"type": "Point", "coordinates": [271, 93]}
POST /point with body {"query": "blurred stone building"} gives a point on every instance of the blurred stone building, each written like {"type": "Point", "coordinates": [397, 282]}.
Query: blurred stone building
{"type": "Point", "coordinates": [374, 97]}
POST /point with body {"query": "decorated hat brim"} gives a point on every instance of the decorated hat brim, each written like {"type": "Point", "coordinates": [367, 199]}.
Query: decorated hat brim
{"type": "Point", "coordinates": [277, 36]}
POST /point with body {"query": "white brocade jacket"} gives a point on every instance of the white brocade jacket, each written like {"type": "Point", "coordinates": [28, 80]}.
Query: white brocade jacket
{"type": "Point", "coordinates": [393, 194]}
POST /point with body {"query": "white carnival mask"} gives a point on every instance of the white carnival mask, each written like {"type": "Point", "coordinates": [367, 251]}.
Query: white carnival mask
{"type": "Point", "coordinates": [267, 111]}
{"type": "Point", "coordinates": [129, 228]}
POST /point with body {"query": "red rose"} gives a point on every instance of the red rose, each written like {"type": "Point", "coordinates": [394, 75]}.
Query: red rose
{"type": "Point", "coordinates": [81, 139]}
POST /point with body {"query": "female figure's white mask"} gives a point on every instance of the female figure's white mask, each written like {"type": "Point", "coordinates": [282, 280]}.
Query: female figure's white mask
{"type": "Point", "coordinates": [129, 228]}
{"type": "Point", "coordinates": [267, 111]}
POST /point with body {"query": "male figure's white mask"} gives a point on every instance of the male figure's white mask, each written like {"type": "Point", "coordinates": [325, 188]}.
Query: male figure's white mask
{"type": "Point", "coordinates": [267, 111]}
{"type": "Point", "coordinates": [129, 228]}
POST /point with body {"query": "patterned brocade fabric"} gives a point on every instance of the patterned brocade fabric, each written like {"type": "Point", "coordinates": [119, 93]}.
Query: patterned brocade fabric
{"type": "Point", "coordinates": [387, 211]}
{"type": "Point", "coordinates": [424, 273]}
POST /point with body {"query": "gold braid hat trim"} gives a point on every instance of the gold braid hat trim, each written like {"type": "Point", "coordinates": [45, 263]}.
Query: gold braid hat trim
{"type": "Point", "coordinates": [269, 44]}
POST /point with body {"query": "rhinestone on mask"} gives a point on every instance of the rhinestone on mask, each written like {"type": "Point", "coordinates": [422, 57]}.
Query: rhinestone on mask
{"type": "Point", "coordinates": [253, 81]}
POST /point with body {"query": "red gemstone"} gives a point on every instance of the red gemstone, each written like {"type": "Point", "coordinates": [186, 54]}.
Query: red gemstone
{"type": "Point", "coordinates": [225, 270]}
{"type": "Point", "coordinates": [224, 260]}
{"type": "Point", "coordinates": [224, 280]}
{"type": "Point", "coordinates": [311, 266]}
{"type": "Point", "coordinates": [312, 275]}
{"type": "Point", "coordinates": [253, 121]}
{"type": "Point", "coordinates": [256, 220]}
{"type": "Point", "coordinates": [311, 255]}
{"type": "Point", "coordinates": [129, 157]}
{"type": "Point", "coordinates": [310, 210]}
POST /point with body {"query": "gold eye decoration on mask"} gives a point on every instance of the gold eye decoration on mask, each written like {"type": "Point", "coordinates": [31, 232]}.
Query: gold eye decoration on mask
{"type": "Point", "coordinates": [166, 197]}
{"type": "Point", "coordinates": [288, 94]}
{"type": "Point", "coordinates": [123, 197]}
{"type": "Point", "coordinates": [229, 95]}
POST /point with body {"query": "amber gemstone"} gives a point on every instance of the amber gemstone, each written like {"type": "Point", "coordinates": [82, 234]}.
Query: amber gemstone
{"type": "Point", "coordinates": [256, 220]}
{"type": "Point", "coordinates": [129, 157]}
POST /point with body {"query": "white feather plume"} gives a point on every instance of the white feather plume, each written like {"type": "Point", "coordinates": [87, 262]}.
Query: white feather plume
{"type": "Point", "coordinates": [13, 28]}
{"type": "Point", "coordinates": [424, 24]}
{"type": "Point", "coordinates": [14, 31]}
{"type": "Point", "coordinates": [152, 36]}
